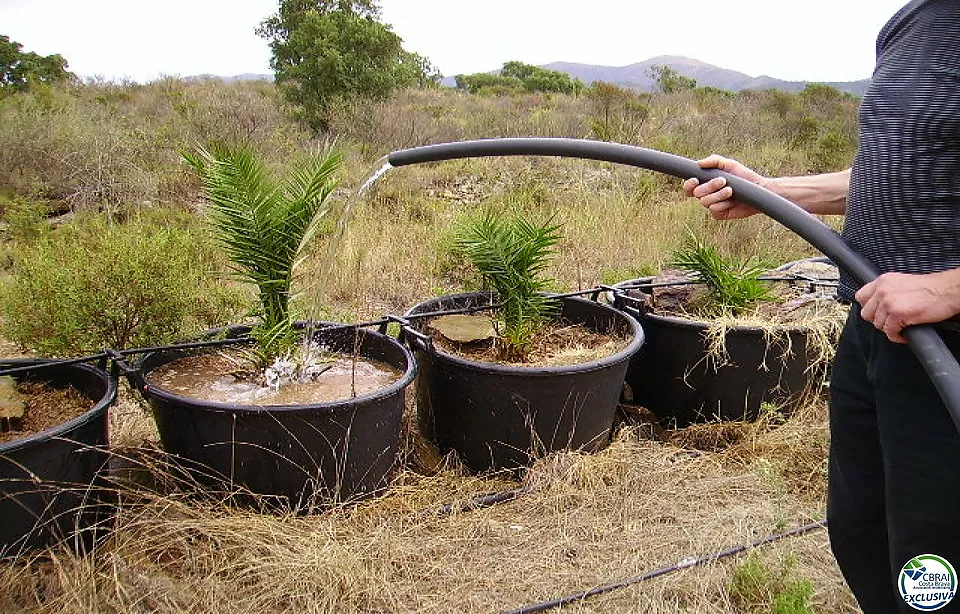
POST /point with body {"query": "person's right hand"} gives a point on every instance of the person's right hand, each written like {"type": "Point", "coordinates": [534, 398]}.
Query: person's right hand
{"type": "Point", "coordinates": [716, 195]}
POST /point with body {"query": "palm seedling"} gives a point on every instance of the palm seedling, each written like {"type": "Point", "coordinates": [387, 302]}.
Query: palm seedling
{"type": "Point", "coordinates": [732, 285]}
{"type": "Point", "coordinates": [511, 254]}
{"type": "Point", "coordinates": [264, 228]}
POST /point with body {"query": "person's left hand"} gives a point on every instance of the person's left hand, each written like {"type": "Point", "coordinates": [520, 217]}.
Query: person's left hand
{"type": "Point", "coordinates": [894, 301]}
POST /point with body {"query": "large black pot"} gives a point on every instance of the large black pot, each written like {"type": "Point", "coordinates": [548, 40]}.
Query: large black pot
{"type": "Point", "coordinates": [50, 482]}
{"type": "Point", "coordinates": [291, 455]}
{"type": "Point", "coordinates": [675, 377]}
{"type": "Point", "coordinates": [498, 416]}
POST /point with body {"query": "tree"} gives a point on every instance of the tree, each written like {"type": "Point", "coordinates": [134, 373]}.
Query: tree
{"type": "Point", "coordinates": [327, 53]}
{"type": "Point", "coordinates": [618, 109]}
{"type": "Point", "coordinates": [484, 81]}
{"type": "Point", "coordinates": [670, 81]}
{"type": "Point", "coordinates": [18, 69]}
{"type": "Point", "coordinates": [517, 76]}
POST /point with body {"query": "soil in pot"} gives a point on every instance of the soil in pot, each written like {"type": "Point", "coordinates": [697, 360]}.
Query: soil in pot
{"type": "Point", "coordinates": [220, 377]}
{"type": "Point", "coordinates": [556, 344]}
{"type": "Point", "coordinates": [51, 486]}
{"type": "Point", "coordinates": [41, 407]}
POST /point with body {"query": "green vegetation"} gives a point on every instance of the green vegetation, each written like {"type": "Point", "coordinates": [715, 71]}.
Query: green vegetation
{"type": "Point", "coordinates": [511, 255]}
{"type": "Point", "coordinates": [669, 81]}
{"type": "Point", "coordinates": [92, 182]}
{"type": "Point", "coordinates": [756, 589]}
{"type": "Point", "coordinates": [327, 54]}
{"type": "Point", "coordinates": [732, 285]}
{"type": "Point", "coordinates": [19, 70]}
{"type": "Point", "coordinates": [95, 283]}
{"type": "Point", "coordinates": [516, 77]}
{"type": "Point", "coordinates": [113, 150]}
{"type": "Point", "coordinates": [265, 228]}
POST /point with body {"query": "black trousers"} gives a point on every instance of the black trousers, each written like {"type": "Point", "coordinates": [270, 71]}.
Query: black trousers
{"type": "Point", "coordinates": [894, 479]}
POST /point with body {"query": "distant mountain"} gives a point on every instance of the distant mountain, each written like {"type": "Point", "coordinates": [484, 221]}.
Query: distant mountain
{"type": "Point", "coordinates": [635, 76]}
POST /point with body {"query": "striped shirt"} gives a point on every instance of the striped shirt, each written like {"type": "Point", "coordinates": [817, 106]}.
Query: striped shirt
{"type": "Point", "coordinates": [903, 209]}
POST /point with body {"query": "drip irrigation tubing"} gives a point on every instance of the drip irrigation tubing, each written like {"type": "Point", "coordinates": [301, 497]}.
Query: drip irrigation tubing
{"type": "Point", "coordinates": [937, 360]}
{"type": "Point", "coordinates": [479, 501]}
{"type": "Point", "coordinates": [656, 573]}
{"type": "Point", "coordinates": [382, 323]}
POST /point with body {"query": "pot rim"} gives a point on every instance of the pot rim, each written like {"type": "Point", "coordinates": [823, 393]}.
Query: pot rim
{"type": "Point", "coordinates": [405, 379]}
{"type": "Point", "coordinates": [626, 353]}
{"type": "Point", "coordinates": [96, 411]}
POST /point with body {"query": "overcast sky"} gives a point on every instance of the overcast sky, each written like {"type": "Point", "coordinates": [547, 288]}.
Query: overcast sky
{"type": "Point", "coordinates": [813, 40]}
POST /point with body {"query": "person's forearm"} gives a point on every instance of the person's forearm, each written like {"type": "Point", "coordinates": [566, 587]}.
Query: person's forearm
{"type": "Point", "coordinates": [824, 194]}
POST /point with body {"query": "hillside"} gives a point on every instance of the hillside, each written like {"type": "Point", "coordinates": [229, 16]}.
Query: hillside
{"type": "Point", "coordinates": [635, 76]}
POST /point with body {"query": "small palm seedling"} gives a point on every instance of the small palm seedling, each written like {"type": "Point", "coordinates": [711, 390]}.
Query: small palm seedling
{"type": "Point", "coordinates": [511, 255]}
{"type": "Point", "coordinates": [264, 228]}
{"type": "Point", "coordinates": [732, 285]}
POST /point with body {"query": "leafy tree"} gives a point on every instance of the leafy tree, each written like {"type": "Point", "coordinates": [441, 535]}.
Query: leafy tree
{"type": "Point", "coordinates": [18, 69]}
{"type": "Point", "coordinates": [519, 76]}
{"type": "Point", "coordinates": [536, 79]}
{"type": "Point", "coordinates": [485, 80]}
{"type": "Point", "coordinates": [330, 52]}
{"type": "Point", "coordinates": [669, 81]}
{"type": "Point", "coordinates": [615, 107]}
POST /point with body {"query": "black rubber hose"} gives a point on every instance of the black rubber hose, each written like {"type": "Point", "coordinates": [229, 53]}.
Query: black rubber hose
{"type": "Point", "coordinates": [926, 344]}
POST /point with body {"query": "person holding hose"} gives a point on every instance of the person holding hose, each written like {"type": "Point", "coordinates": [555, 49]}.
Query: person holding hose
{"type": "Point", "coordinates": [893, 502]}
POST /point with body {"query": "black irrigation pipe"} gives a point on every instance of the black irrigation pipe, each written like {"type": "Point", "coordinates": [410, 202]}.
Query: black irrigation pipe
{"type": "Point", "coordinates": [937, 360]}
{"type": "Point", "coordinates": [637, 285]}
{"type": "Point", "coordinates": [479, 501]}
{"type": "Point", "coordinates": [685, 564]}
{"type": "Point", "coordinates": [117, 355]}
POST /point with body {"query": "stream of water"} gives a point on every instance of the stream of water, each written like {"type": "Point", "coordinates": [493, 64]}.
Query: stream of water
{"type": "Point", "coordinates": [332, 252]}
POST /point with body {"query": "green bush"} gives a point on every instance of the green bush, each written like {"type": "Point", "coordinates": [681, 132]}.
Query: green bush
{"type": "Point", "coordinates": [94, 284]}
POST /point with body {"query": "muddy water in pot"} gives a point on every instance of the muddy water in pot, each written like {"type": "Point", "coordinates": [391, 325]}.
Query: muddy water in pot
{"type": "Point", "coordinates": [217, 377]}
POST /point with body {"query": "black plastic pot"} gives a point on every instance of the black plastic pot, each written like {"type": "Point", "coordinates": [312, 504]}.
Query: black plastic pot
{"type": "Point", "coordinates": [498, 416]}
{"type": "Point", "coordinates": [294, 456]}
{"type": "Point", "coordinates": [675, 377]}
{"type": "Point", "coordinates": [51, 489]}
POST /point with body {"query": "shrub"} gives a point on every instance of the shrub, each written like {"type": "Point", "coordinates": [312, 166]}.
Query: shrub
{"type": "Point", "coordinates": [94, 284]}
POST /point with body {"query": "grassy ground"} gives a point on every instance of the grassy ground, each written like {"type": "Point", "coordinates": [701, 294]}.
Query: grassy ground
{"type": "Point", "coordinates": [587, 521]}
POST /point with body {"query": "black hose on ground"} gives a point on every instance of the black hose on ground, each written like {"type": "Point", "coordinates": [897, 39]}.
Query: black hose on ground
{"type": "Point", "coordinates": [926, 344]}
{"type": "Point", "coordinates": [694, 562]}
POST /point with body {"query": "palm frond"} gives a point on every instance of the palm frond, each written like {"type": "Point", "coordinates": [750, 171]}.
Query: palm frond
{"type": "Point", "coordinates": [511, 255]}
{"type": "Point", "coordinates": [262, 227]}
{"type": "Point", "coordinates": [732, 285]}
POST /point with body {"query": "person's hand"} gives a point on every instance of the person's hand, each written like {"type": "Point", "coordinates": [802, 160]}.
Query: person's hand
{"type": "Point", "coordinates": [894, 301]}
{"type": "Point", "coordinates": [716, 195]}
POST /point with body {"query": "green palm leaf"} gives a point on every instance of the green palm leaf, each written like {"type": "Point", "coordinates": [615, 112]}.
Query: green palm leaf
{"type": "Point", "coordinates": [732, 284]}
{"type": "Point", "coordinates": [264, 227]}
{"type": "Point", "coordinates": [511, 255]}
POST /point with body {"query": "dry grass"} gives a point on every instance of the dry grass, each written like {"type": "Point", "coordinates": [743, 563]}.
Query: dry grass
{"type": "Point", "coordinates": [588, 520]}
